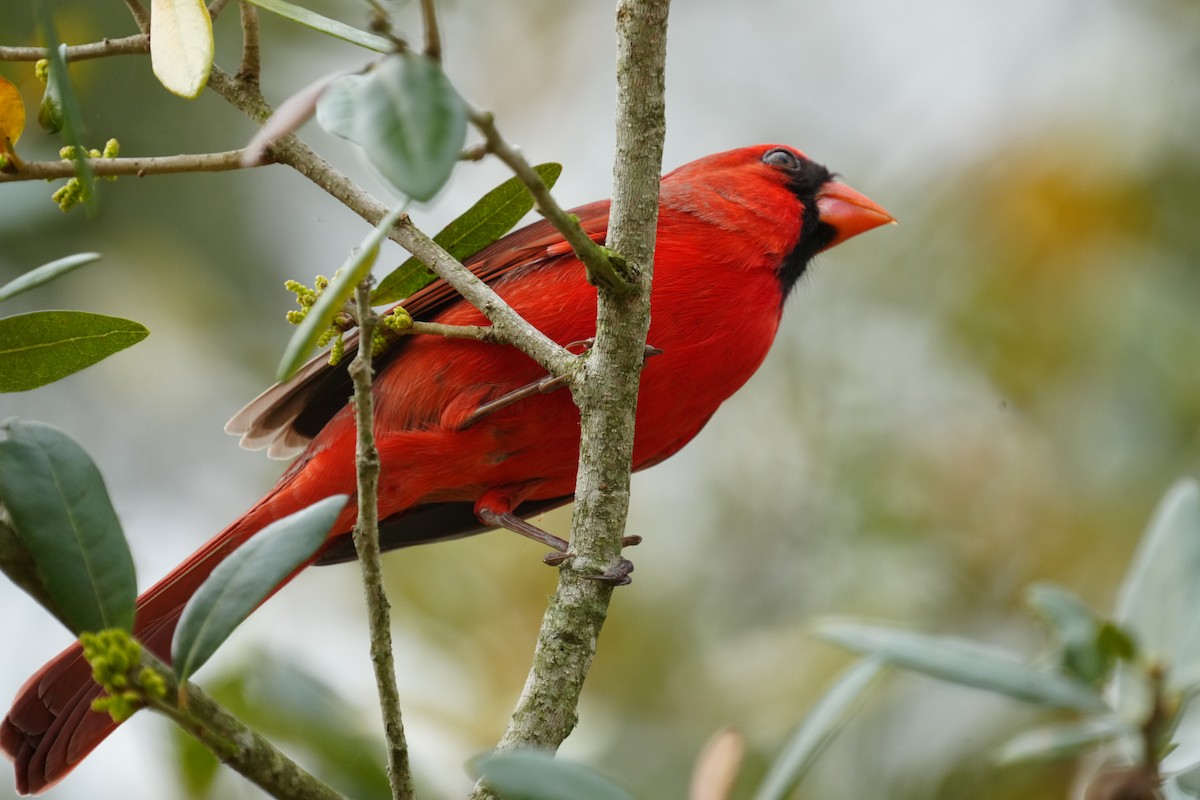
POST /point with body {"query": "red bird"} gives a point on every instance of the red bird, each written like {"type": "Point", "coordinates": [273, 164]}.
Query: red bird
{"type": "Point", "coordinates": [735, 232]}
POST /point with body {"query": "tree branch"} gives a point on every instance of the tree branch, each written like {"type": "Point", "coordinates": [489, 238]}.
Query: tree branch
{"type": "Point", "coordinates": [150, 165]}
{"type": "Point", "coordinates": [366, 543]}
{"type": "Point", "coordinates": [231, 741]}
{"type": "Point", "coordinates": [137, 44]}
{"type": "Point", "coordinates": [140, 15]}
{"type": "Point", "coordinates": [251, 67]}
{"type": "Point", "coordinates": [606, 396]}
{"type": "Point", "coordinates": [603, 264]}
{"type": "Point", "coordinates": [433, 38]}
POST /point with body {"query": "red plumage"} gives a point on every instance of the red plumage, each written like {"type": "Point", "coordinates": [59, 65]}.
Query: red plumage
{"type": "Point", "coordinates": [735, 231]}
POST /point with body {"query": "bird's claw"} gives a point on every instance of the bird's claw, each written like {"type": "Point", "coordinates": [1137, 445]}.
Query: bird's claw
{"type": "Point", "coordinates": [617, 576]}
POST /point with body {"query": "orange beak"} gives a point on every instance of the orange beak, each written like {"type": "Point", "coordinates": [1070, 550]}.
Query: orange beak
{"type": "Point", "coordinates": [848, 212]}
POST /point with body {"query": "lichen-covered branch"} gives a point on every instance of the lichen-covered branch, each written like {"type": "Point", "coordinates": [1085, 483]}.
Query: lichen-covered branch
{"type": "Point", "coordinates": [606, 395]}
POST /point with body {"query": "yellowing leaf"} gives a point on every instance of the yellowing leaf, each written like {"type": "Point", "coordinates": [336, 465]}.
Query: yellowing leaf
{"type": "Point", "coordinates": [181, 45]}
{"type": "Point", "coordinates": [12, 112]}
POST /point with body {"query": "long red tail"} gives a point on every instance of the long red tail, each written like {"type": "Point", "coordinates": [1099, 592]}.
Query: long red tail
{"type": "Point", "coordinates": [51, 727]}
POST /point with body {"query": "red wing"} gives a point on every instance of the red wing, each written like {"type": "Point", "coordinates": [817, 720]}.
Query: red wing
{"type": "Point", "coordinates": [286, 416]}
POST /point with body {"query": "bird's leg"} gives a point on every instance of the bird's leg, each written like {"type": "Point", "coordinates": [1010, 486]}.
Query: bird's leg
{"type": "Point", "coordinates": [546, 385]}
{"type": "Point", "coordinates": [488, 513]}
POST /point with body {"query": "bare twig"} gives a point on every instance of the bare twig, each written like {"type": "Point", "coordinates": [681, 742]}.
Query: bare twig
{"type": "Point", "coordinates": [140, 15]}
{"type": "Point", "coordinates": [251, 67]}
{"type": "Point", "coordinates": [150, 165]}
{"type": "Point", "coordinates": [137, 44]}
{"type": "Point", "coordinates": [216, 7]}
{"type": "Point", "coordinates": [603, 264]}
{"type": "Point", "coordinates": [366, 543]}
{"type": "Point", "coordinates": [433, 38]}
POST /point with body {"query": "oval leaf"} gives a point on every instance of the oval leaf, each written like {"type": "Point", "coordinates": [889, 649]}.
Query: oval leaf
{"type": "Point", "coordinates": [332, 27]}
{"type": "Point", "coordinates": [181, 45]}
{"type": "Point", "coordinates": [42, 346]}
{"type": "Point", "coordinates": [407, 118]}
{"type": "Point", "coordinates": [492, 216]}
{"type": "Point", "coordinates": [1158, 599]}
{"type": "Point", "coordinates": [820, 726]}
{"type": "Point", "coordinates": [964, 662]}
{"type": "Point", "coordinates": [248, 576]}
{"type": "Point", "coordinates": [12, 112]}
{"type": "Point", "coordinates": [60, 509]}
{"type": "Point", "coordinates": [321, 315]}
{"type": "Point", "coordinates": [535, 775]}
{"type": "Point", "coordinates": [45, 274]}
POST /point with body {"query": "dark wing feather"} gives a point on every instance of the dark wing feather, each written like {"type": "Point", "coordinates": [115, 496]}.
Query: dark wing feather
{"type": "Point", "coordinates": [288, 415]}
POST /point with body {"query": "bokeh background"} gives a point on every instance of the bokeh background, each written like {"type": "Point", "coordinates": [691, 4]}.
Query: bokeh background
{"type": "Point", "coordinates": [995, 392]}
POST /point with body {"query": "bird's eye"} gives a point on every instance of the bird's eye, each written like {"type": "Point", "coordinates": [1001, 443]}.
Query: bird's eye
{"type": "Point", "coordinates": [782, 158]}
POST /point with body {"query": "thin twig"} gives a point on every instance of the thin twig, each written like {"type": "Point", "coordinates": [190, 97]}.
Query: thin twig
{"type": "Point", "coordinates": [603, 265]}
{"type": "Point", "coordinates": [251, 67]}
{"type": "Point", "coordinates": [150, 165]}
{"type": "Point", "coordinates": [215, 8]}
{"type": "Point", "coordinates": [433, 37]}
{"type": "Point", "coordinates": [366, 543]}
{"type": "Point", "coordinates": [140, 15]}
{"type": "Point", "coordinates": [137, 44]}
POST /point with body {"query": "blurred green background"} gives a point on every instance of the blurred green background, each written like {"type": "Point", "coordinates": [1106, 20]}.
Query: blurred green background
{"type": "Point", "coordinates": [993, 393]}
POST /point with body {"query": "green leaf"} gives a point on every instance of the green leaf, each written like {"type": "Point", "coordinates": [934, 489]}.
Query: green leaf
{"type": "Point", "coordinates": [339, 30]}
{"type": "Point", "coordinates": [43, 346]}
{"type": "Point", "coordinates": [492, 216]}
{"type": "Point", "coordinates": [536, 775]}
{"type": "Point", "coordinates": [321, 315]}
{"type": "Point", "coordinates": [1159, 597]}
{"type": "Point", "coordinates": [245, 579]}
{"type": "Point", "coordinates": [407, 118]}
{"type": "Point", "coordinates": [964, 662]}
{"type": "Point", "coordinates": [72, 115]}
{"type": "Point", "coordinates": [45, 274]}
{"type": "Point", "coordinates": [60, 509]}
{"type": "Point", "coordinates": [1067, 740]}
{"type": "Point", "coordinates": [816, 731]}
{"type": "Point", "coordinates": [181, 45]}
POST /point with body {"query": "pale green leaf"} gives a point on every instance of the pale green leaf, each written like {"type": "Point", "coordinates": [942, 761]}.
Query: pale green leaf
{"type": "Point", "coordinates": [816, 731]}
{"type": "Point", "coordinates": [964, 662]}
{"type": "Point", "coordinates": [181, 45]}
{"type": "Point", "coordinates": [339, 30]}
{"type": "Point", "coordinates": [45, 274]}
{"type": "Point", "coordinates": [245, 578]}
{"type": "Point", "coordinates": [536, 775]}
{"type": "Point", "coordinates": [407, 118]}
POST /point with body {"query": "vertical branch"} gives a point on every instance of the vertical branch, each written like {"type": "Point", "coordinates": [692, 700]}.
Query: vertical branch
{"type": "Point", "coordinates": [433, 38]}
{"type": "Point", "coordinates": [606, 393]}
{"type": "Point", "coordinates": [251, 67]}
{"type": "Point", "coordinates": [366, 542]}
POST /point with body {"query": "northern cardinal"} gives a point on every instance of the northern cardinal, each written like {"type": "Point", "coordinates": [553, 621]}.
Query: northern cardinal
{"type": "Point", "coordinates": [735, 232]}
